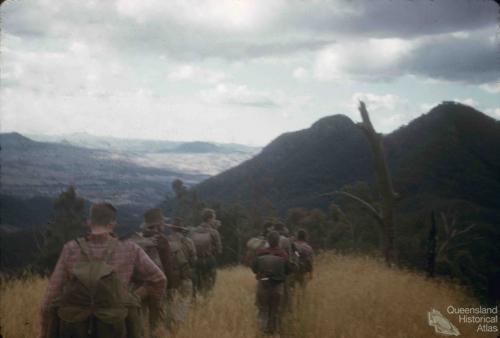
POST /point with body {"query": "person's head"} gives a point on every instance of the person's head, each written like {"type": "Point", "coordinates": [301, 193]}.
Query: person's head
{"type": "Point", "coordinates": [153, 220]}
{"type": "Point", "coordinates": [266, 227]}
{"type": "Point", "coordinates": [102, 215]}
{"type": "Point", "coordinates": [208, 216]}
{"type": "Point", "coordinates": [281, 228]}
{"type": "Point", "coordinates": [302, 235]}
{"type": "Point", "coordinates": [273, 238]}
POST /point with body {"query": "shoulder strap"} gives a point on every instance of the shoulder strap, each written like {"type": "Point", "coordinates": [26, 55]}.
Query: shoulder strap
{"type": "Point", "coordinates": [110, 248]}
{"type": "Point", "coordinates": [84, 248]}
{"type": "Point", "coordinates": [108, 251]}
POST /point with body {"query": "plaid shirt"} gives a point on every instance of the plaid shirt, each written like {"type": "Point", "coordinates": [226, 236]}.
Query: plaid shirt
{"type": "Point", "coordinates": [128, 260]}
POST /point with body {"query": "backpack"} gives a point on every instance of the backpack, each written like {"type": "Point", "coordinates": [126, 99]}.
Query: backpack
{"type": "Point", "coordinates": [202, 240]}
{"type": "Point", "coordinates": [94, 290]}
{"type": "Point", "coordinates": [253, 245]}
{"type": "Point", "coordinates": [150, 248]}
{"type": "Point", "coordinates": [271, 267]}
{"type": "Point", "coordinates": [179, 261]}
{"type": "Point", "coordinates": [305, 259]}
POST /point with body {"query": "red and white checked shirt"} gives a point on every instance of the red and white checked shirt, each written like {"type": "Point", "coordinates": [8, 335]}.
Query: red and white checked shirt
{"type": "Point", "coordinates": [128, 260]}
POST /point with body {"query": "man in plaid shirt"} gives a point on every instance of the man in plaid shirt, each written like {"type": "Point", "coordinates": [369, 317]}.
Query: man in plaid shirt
{"type": "Point", "coordinates": [128, 261]}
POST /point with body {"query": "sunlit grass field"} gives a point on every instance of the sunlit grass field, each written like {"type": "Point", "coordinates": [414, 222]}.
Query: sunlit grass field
{"type": "Point", "coordinates": [348, 297]}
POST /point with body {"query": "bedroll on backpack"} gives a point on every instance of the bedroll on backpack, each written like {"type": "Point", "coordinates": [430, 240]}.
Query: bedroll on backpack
{"type": "Point", "coordinates": [180, 263]}
{"type": "Point", "coordinates": [203, 243]}
{"type": "Point", "coordinates": [94, 290]}
{"type": "Point", "coordinates": [253, 245]}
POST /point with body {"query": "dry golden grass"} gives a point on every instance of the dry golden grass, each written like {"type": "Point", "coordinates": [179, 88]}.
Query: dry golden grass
{"type": "Point", "coordinates": [348, 297]}
{"type": "Point", "coordinates": [20, 305]}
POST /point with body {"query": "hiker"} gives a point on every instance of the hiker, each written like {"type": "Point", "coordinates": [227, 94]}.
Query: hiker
{"type": "Point", "coordinates": [208, 244]}
{"type": "Point", "coordinates": [285, 243]}
{"type": "Point", "coordinates": [271, 267]}
{"type": "Point", "coordinates": [180, 286]}
{"type": "Point", "coordinates": [88, 292]}
{"type": "Point", "coordinates": [152, 240]}
{"type": "Point", "coordinates": [305, 254]}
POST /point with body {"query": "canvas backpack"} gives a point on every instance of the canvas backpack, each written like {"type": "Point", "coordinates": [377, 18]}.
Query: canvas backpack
{"type": "Point", "coordinates": [271, 267]}
{"type": "Point", "coordinates": [179, 261]}
{"type": "Point", "coordinates": [94, 290]}
{"type": "Point", "coordinates": [253, 245]}
{"type": "Point", "coordinates": [150, 248]}
{"type": "Point", "coordinates": [202, 240]}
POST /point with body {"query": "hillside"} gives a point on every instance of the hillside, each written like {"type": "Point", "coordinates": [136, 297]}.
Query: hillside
{"type": "Point", "coordinates": [353, 297]}
{"type": "Point", "coordinates": [446, 161]}
{"type": "Point", "coordinates": [32, 168]}
{"type": "Point", "coordinates": [296, 167]}
{"type": "Point", "coordinates": [452, 151]}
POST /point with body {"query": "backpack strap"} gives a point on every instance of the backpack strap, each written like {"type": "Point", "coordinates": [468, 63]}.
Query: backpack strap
{"type": "Point", "coordinates": [84, 248]}
{"type": "Point", "coordinates": [110, 249]}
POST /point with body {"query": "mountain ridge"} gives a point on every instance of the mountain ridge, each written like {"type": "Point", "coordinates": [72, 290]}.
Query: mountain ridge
{"type": "Point", "coordinates": [334, 152]}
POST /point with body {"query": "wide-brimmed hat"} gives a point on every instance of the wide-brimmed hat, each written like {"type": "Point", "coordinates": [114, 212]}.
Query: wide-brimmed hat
{"type": "Point", "coordinates": [152, 218]}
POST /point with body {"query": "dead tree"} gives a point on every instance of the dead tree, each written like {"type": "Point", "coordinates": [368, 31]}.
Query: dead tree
{"type": "Point", "coordinates": [384, 216]}
{"type": "Point", "coordinates": [384, 181]}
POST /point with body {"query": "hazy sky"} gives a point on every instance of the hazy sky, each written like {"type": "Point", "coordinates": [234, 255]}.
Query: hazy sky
{"type": "Point", "coordinates": [240, 70]}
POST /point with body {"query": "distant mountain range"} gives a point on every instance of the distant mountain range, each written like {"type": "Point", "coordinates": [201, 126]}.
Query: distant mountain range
{"type": "Point", "coordinates": [86, 140]}
{"type": "Point", "coordinates": [451, 152]}
{"type": "Point", "coordinates": [123, 171]}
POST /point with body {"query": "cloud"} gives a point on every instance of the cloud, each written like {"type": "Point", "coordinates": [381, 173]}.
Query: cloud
{"type": "Point", "coordinates": [187, 72]}
{"type": "Point", "coordinates": [123, 58]}
{"type": "Point", "coordinates": [371, 59]}
{"type": "Point", "coordinates": [390, 19]}
{"type": "Point", "coordinates": [468, 101]}
{"type": "Point", "coordinates": [300, 73]}
{"type": "Point", "coordinates": [241, 95]}
{"type": "Point", "coordinates": [468, 60]}
{"type": "Point", "coordinates": [387, 111]}
{"type": "Point", "coordinates": [70, 70]}
{"type": "Point", "coordinates": [471, 58]}
{"type": "Point", "coordinates": [210, 14]}
{"type": "Point", "coordinates": [492, 88]}
{"type": "Point", "coordinates": [188, 30]}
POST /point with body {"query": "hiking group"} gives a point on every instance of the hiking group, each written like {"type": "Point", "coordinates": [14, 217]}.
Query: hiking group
{"type": "Point", "coordinates": [143, 285]}
{"type": "Point", "coordinates": [282, 264]}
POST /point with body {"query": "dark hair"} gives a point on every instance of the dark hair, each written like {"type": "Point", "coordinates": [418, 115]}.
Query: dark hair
{"type": "Point", "coordinates": [102, 213]}
{"type": "Point", "coordinates": [302, 235]}
{"type": "Point", "coordinates": [273, 237]}
{"type": "Point", "coordinates": [268, 224]}
{"type": "Point", "coordinates": [207, 214]}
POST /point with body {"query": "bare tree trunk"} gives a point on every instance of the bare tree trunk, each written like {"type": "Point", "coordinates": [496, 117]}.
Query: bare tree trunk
{"type": "Point", "coordinates": [384, 183]}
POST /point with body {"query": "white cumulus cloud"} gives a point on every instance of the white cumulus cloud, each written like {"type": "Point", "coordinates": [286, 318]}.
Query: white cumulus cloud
{"type": "Point", "coordinates": [492, 88]}
{"type": "Point", "coordinates": [371, 59]}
